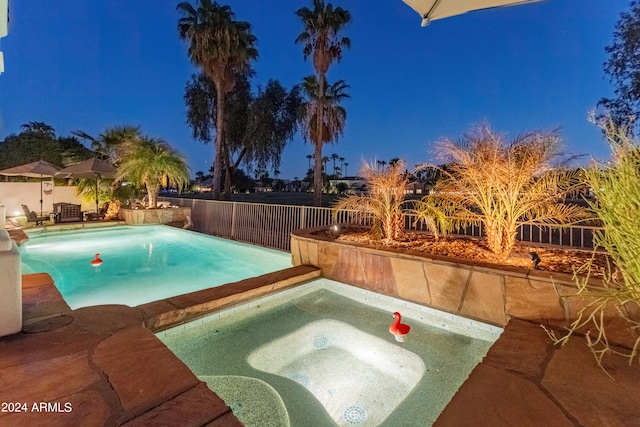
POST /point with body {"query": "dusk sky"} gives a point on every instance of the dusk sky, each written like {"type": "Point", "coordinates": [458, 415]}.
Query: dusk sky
{"type": "Point", "coordinates": [90, 65]}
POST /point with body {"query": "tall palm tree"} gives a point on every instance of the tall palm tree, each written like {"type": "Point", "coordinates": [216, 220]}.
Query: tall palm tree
{"type": "Point", "coordinates": [345, 168]}
{"type": "Point", "coordinates": [334, 157]}
{"type": "Point", "coordinates": [333, 118]}
{"type": "Point", "coordinates": [309, 157]}
{"type": "Point", "coordinates": [223, 48]}
{"type": "Point", "coordinates": [342, 159]}
{"type": "Point", "coordinates": [321, 41]}
{"type": "Point", "coordinates": [153, 163]}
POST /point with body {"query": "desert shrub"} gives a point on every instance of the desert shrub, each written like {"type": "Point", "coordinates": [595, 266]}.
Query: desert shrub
{"type": "Point", "coordinates": [616, 187]}
{"type": "Point", "coordinates": [498, 184]}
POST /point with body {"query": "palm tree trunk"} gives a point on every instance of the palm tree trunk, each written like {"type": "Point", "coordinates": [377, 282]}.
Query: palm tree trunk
{"type": "Point", "coordinates": [152, 193]}
{"type": "Point", "coordinates": [317, 175]}
{"type": "Point", "coordinates": [217, 162]}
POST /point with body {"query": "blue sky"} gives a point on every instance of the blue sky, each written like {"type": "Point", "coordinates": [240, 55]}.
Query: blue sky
{"type": "Point", "coordinates": [94, 64]}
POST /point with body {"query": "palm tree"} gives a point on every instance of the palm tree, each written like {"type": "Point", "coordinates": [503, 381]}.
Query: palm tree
{"type": "Point", "coordinates": [40, 128]}
{"type": "Point", "coordinates": [153, 163]}
{"type": "Point", "coordinates": [325, 159]}
{"type": "Point", "coordinates": [345, 168]}
{"type": "Point", "coordinates": [342, 159]}
{"type": "Point", "coordinates": [336, 172]}
{"type": "Point", "coordinates": [309, 157]}
{"type": "Point", "coordinates": [334, 157]}
{"type": "Point", "coordinates": [224, 48]}
{"type": "Point", "coordinates": [496, 183]}
{"type": "Point", "coordinates": [383, 205]}
{"type": "Point", "coordinates": [321, 41]}
{"type": "Point", "coordinates": [333, 121]}
{"type": "Point", "coordinates": [109, 145]}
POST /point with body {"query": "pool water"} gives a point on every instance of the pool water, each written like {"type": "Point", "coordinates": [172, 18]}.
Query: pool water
{"type": "Point", "coordinates": [141, 264]}
{"type": "Point", "coordinates": [325, 350]}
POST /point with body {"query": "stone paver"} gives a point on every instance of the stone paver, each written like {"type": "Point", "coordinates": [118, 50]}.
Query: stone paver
{"type": "Point", "coordinates": [141, 370]}
{"type": "Point", "coordinates": [190, 408]}
{"type": "Point", "coordinates": [98, 366]}
{"type": "Point", "coordinates": [493, 397]}
{"type": "Point", "coordinates": [573, 378]}
{"type": "Point", "coordinates": [40, 297]}
{"type": "Point", "coordinates": [525, 380]}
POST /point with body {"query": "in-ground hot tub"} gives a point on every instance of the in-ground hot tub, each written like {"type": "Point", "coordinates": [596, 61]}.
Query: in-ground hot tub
{"type": "Point", "coordinates": [359, 378]}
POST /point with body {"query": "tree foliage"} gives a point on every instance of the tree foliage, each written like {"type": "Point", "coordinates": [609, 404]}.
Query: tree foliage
{"type": "Point", "coordinates": [153, 163]}
{"type": "Point", "coordinates": [623, 69]}
{"type": "Point", "coordinates": [328, 128]}
{"type": "Point", "coordinates": [38, 141]}
{"type": "Point", "coordinates": [257, 125]}
{"type": "Point", "coordinates": [321, 40]}
{"type": "Point", "coordinates": [224, 49]}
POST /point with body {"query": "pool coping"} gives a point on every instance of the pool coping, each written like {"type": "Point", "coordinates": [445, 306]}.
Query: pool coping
{"type": "Point", "coordinates": [107, 364]}
{"type": "Point", "coordinates": [170, 312]}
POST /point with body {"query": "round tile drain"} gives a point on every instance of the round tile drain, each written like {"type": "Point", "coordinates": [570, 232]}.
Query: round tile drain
{"type": "Point", "coordinates": [354, 415]}
{"type": "Point", "coordinates": [320, 341]}
{"type": "Point", "coordinates": [301, 379]}
{"type": "Point", "coordinates": [236, 407]}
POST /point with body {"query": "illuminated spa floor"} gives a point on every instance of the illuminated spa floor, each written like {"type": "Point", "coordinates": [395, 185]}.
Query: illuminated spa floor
{"type": "Point", "coordinates": [330, 359]}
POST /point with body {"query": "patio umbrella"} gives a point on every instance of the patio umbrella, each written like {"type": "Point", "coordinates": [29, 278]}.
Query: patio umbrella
{"type": "Point", "coordinates": [87, 169]}
{"type": "Point", "coordinates": [431, 10]}
{"type": "Point", "coordinates": [39, 169]}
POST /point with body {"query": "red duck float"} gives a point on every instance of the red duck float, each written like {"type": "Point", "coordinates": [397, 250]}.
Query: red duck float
{"type": "Point", "coordinates": [399, 330]}
{"type": "Point", "coordinates": [96, 262]}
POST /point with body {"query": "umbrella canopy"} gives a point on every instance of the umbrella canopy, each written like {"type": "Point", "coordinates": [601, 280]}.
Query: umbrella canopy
{"type": "Point", "coordinates": [39, 169]}
{"type": "Point", "coordinates": [431, 10]}
{"type": "Point", "coordinates": [87, 169]}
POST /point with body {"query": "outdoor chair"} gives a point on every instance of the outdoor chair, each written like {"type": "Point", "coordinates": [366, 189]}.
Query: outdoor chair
{"type": "Point", "coordinates": [101, 214]}
{"type": "Point", "coordinates": [33, 217]}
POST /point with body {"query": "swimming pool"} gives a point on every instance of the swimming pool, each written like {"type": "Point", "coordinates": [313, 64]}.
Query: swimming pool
{"type": "Point", "coordinates": [141, 264]}
{"type": "Point", "coordinates": [322, 351]}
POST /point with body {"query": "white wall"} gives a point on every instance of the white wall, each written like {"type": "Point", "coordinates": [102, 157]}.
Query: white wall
{"type": "Point", "coordinates": [15, 194]}
{"type": "Point", "coordinates": [10, 286]}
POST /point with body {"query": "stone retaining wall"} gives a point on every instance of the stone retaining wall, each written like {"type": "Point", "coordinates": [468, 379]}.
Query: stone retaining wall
{"type": "Point", "coordinates": [156, 216]}
{"type": "Point", "coordinates": [475, 290]}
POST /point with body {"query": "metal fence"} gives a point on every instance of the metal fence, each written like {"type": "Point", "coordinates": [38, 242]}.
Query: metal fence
{"type": "Point", "coordinates": [270, 225]}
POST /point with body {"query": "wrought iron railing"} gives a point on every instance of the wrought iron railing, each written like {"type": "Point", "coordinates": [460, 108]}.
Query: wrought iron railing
{"type": "Point", "coordinates": [270, 225]}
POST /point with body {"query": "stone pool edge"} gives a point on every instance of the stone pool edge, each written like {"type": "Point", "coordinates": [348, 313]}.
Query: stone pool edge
{"type": "Point", "coordinates": [107, 363]}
